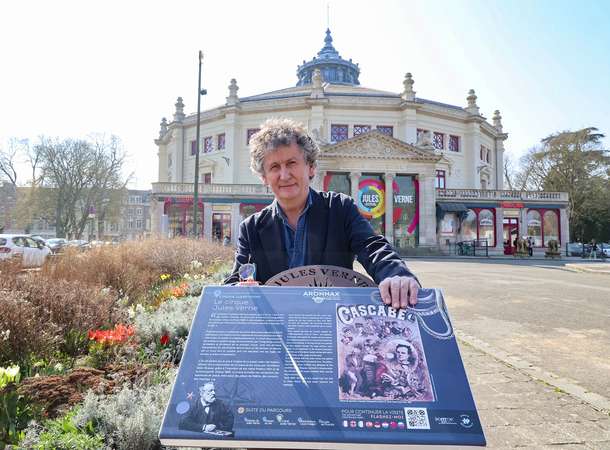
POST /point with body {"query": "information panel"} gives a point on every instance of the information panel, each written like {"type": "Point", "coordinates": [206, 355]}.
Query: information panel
{"type": "Point", "coordinates": [304, 367]}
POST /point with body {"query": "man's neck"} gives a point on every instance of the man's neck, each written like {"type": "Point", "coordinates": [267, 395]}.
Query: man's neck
{"type": "Point", "coordinates": [293, 210]}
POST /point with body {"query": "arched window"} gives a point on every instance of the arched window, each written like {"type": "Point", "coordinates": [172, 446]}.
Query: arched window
{"type": "Point", "coordinates": [551, 226]}
{"type": "Point", "coordinates": [534, 228]}
{"type": "Point", "coordinates": [469, 226]}
{"type": "Point", "coordinates": [486, 226]}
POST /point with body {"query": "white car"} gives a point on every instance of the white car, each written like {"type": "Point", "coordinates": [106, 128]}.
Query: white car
{"type": "Point", "coordinates": [31, 253]}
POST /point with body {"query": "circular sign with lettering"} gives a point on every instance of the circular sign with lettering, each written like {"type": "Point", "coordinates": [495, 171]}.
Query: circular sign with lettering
{"type": "Point", "coordinates": [371, 199]}
{"type": "Point", "coordinates": [320, 276]}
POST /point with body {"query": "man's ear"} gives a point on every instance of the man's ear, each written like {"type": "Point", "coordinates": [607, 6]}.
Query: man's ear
{"type": "Point", "coordinates": [312, 172]}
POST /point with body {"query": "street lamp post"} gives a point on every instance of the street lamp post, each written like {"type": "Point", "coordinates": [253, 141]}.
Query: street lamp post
{"type": "Point", "coordinates": [200, 92]}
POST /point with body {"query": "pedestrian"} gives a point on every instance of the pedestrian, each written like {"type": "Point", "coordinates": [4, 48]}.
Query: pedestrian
{"type": "Point", "coordinates": [530, 246]}
{"type": "Point", "coordinates": [593, 254]}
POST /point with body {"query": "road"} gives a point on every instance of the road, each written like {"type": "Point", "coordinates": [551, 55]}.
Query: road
{"type": "Point", "coordinates": [554, 318]}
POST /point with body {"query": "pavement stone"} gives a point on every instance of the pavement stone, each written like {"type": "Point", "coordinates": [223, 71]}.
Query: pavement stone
{"type": "Point", "coordinates": [518, 411]}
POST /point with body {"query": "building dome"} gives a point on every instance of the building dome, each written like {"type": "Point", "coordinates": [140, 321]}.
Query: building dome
{"type": "Point", "coordinates": [333, 68]}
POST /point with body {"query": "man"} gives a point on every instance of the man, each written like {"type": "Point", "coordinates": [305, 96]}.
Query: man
{"type": "Point", "coordinates": [208, 414]}
{"type": "Point", "coordinates": [303, 227]}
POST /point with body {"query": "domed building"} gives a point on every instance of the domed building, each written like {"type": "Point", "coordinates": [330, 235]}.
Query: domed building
{"type": "Point", "coordinates": [428, 175]}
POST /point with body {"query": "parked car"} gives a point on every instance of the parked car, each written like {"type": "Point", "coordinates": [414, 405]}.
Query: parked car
{"type": "Point", "coordinates": [80, 244]}
{"type": "Point", "coordinates": [57, 244]}
{"type": "Point", "coordinates": [21, 246]}
{"type": "Point", "coordinates": [604, 248]}
{"type": "Point", "coordinates": [578, 249]}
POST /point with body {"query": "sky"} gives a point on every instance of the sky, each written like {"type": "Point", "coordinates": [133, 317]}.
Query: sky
{"type": "Point", "coordinates": [70, 68]}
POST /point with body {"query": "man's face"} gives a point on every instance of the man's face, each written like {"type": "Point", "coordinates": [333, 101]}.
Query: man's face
{"type": "Point", "coordinates": [287, 174]}
{"type": "Point", "coordinates": [402, 355]}
{"type": "Point", "coordinates": [207, 393]}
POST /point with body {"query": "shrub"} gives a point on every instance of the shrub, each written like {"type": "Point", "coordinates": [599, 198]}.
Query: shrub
{"type": "Point", "coordinates": [131, 419]}
{"type": "Point", "coordinates": [62, 433]}
{"type": "Point", "coordinates": [15, 411]}
{"type": "Point", "coordinates": [42, 316]}
{"type": "Point", "coordinates": [133, 267]}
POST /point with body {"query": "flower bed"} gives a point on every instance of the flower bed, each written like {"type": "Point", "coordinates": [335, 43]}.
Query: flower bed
{"type": "Point", "coordinates": [95, 335]}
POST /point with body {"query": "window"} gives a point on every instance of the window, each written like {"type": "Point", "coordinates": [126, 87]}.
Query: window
{"type": "Point", "coordinates": [130, 224]}
{"type": "Point", "coordinates": [454, 143]}
{"type": "Point", "coordinates": [486, 226]}
{"type": "Point", "coordinates": [207, 178]}
{"type": "Point", "coordinates": [438, 141]}
{"type": "Point", "coordinates": [138, 211]}
{"type": "Point", "coordinates": [550, 223]}
{"type": "Point", "coordinates": [338, 133]}
{"type": "Point", "coordinates": [207, 144]}
{"type": "Point", "coordinates": [220, 141]}
{"type": "Point", "coordinates": [139, 224]}
{"type": "Point", "coordinates": [534, 227]}
{"type": "Point", "coordinates": [480, 224]}
{"type": "Point", "coordinates": [487, 157]}
{"type": "Point", "coordinates": [130, 211]}
{"type": "Point", "coordinates": [114, 227]}
{"type": "Point", "coordinates": [193, 148]}
{"type": "Point", "coordinates": [361, 129]}
{"type": "Point", "coordinates": [440, 179]}
{"type": "Point", "coordinates": [469, 226]}
{"type": "Point", "coordinates": [386, 129]}
{"type": "Point", "coordinates": [251, 132]}
{"type": "Point", "coordinates": [481, 153]}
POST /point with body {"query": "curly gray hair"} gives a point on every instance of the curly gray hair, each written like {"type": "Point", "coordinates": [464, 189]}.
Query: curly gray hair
{"type": "Point", "coordinates": [275, 133]}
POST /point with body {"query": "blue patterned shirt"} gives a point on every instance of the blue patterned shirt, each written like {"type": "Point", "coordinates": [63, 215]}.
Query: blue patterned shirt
{"type": "Point", "coordinates": [296, 240]}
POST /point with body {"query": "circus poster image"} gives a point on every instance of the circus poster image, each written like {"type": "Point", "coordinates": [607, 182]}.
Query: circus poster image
{"type": "Point", "coordinates": [382, 359]}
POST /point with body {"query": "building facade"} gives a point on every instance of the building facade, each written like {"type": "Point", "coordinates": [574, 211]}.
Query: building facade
{"type": "Point", "coordinates": [426, 174]}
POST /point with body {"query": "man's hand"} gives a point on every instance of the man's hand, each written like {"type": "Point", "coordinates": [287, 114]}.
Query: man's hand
{"type": "Point", "coordinates": [209, 427]}
{"type": "Point", "coordinates": [399, 292]}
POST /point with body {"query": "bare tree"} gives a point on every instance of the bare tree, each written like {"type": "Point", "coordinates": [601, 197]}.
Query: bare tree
{"type": "Point", "coordinates": [82, 174]}
{"type": "Point", "coordinates": [8, 160]}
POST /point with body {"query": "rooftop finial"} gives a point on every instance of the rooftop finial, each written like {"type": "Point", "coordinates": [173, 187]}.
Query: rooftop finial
{"type": "Point", "coordinates": [179, 114]}
{"type": "Point", "coordinates": [317, 91]}
{"type": "Point", "coordinates": [163, 128]}
{"type": "Point", "coordinates": [408, 93]}
{"type": "Point", "coordinates": [233, 99]}
{"type": "Point", "coordinates": [497, 119]}
{"type": "Point", "coordinates": [472, 103]}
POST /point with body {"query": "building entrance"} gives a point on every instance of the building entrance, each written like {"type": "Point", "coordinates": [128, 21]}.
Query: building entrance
{"type": "Point", "coordinates": [510, 234]}
{"type": "Point", "coordinates": [221, 226]}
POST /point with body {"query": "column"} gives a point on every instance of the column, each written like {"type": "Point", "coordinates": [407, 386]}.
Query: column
{"type": "Point", "coordinates": [427, 210]}
{"type": "Point", "coordinates": [522, 222]}
{"type": "Point", "coordinates": [232, 144]}
{"type": "Point", "coordinates": [389, 206]}
{"type": "Point", "coordinates": [235, 221]}
{"type": "Point", "coordinates": [207, 220]}
{"type": "Point", "coordinates": [354, 182]}
{"type": "Point", "coordinates": [564, 224]}
{"type": "Point", "coordinates": [471, 149]}
{"type": "Point", "coordinates": [156, 216]}
{"type": "Point", "coordinates": [318, 181]}
{"type": "Point", "coordinates": [499, 231]}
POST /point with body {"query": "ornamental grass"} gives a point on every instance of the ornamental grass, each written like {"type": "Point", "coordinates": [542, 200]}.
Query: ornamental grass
{"type": "Point", "coordinates": [133, 267]}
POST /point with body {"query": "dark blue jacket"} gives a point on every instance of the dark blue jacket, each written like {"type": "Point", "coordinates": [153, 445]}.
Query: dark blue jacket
{"type": "Point", "coordinates": [336, 234]}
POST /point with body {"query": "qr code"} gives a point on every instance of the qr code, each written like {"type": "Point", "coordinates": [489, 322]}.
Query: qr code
{"type": "Point", "coordinates": [417, 419]}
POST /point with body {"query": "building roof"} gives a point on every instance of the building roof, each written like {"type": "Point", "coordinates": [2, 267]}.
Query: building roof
{"type": "Point", "coordinates": [333, 68]}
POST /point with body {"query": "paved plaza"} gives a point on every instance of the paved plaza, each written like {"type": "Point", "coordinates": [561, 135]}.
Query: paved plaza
{"type": "Point", "coordinates": [535, 339]}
